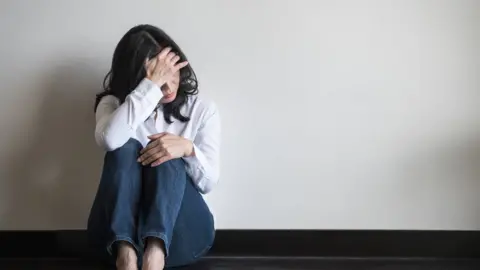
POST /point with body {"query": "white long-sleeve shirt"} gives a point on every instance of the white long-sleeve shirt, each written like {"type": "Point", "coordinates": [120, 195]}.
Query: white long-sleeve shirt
{"type": "Point", "coordinates": [135, 118]}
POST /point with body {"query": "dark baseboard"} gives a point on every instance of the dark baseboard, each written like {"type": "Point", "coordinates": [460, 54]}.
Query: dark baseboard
{"type": "Point", "coordinates": [248, 243]}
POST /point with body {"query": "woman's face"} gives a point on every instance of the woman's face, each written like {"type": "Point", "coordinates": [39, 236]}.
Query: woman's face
{"type": "Point", "coordinates": [170, 88]}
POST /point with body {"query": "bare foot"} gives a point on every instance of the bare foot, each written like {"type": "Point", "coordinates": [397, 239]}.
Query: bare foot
{"type": "Point", "coordinates": [154, 257]}
{"type": "Point", "coordinates": [126, 257]}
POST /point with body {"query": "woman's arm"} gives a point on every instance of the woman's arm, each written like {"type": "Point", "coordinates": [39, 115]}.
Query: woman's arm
{"type": "Point", "coordinates": [203, 165]}
{"type": "Point", "coordinates": [201, 155]}
{"type": "Point", "coordinates": [116, 123]}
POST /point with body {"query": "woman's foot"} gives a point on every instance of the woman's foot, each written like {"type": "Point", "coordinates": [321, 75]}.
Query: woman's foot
{"type": "Point", "coordinates": [154, 257]}
{"type": "Point", "coordinates": [126, 257]}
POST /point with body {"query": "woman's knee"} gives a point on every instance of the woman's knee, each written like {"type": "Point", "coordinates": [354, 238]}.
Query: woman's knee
{"type": "Point", "coordinates": [126, 153]}
{"type": "Point", "coordinates": [176, 165]}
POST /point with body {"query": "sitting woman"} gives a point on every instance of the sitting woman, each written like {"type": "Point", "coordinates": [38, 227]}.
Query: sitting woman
{"type": "Point", "coordinates": [162, 153]}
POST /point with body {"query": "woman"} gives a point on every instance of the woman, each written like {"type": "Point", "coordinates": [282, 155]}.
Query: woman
{"type": "Point", "coordinates": [162, 153]}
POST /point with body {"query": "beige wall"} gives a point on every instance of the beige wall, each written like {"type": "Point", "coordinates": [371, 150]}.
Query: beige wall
{"type": "Point", "coordinates": [387, 137]}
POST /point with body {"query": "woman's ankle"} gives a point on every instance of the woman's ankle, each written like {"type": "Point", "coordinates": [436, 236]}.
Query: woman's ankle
{"type": "Point", "coordinates": [154, 244]}
{"type": "Point", "coordinates": [124, 246]}
{"type": "Point", "coordinates": [126, 254]}
{"type": "Point", "coordinates": [154, 257]}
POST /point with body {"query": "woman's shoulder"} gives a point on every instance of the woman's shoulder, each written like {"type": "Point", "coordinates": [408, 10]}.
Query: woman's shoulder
{"type": "Point", "coordinates": [107, 98]}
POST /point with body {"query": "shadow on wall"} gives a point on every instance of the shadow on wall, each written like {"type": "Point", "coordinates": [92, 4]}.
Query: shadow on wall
{"type": "Point", "coordinates": [53, 182]}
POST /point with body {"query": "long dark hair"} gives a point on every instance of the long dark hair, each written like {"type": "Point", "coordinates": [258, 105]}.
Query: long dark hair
{"type": "Point", "coordinates": [128, 68]}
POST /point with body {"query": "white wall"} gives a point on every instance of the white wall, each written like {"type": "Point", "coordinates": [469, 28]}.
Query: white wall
{"type": "Point", "coordinates": [346, 114]}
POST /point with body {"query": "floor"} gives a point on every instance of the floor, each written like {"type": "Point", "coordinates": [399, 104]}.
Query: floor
{"type": "Point", "coordinates": [264, 264]}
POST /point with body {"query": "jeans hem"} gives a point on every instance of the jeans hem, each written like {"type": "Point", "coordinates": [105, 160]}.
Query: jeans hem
{"type": "Point", "coordinates": [203, 252]}
{"type": "Point", "coordinates": [118, 239]}
{"type": "Point", "coordinates": [160, 236]}
{"type": "Point", "coordinates": [207, 248]}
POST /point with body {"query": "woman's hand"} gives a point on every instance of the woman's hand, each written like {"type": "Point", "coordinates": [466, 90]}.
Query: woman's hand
{"type": "Point", "coordinates": [164, 147]}
{"type": "Point", "coordinates": [162, 68]}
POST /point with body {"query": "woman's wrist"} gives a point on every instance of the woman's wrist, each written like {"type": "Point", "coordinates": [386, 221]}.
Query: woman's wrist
{"type": "Point", "coordinates": [189, 150]}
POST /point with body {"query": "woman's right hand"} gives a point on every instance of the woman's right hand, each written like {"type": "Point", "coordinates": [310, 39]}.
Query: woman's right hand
{"type": "Point", "coordinates": [161, 68]}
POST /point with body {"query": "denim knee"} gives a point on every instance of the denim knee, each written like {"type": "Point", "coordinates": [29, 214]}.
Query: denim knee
{"type": "Point", "coordinates": [131, 146]}
{"type": "Point", "coordinates": [178, 163]}
{"type": "Point", "coordinates": [130, 150]}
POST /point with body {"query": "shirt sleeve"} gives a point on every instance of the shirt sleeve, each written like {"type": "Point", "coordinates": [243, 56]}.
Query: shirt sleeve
{"type": "Point", "coordinates": [204, 167]}
{"type": "Point", "coordinates": [116, 123]}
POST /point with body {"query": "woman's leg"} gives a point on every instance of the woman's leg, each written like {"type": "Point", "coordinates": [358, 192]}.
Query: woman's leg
{"type": "Point", "coordinates": [163, 190]}
{"type": "Point", "coordinates": [194, 229]}
{"type": "Point", "coordinates": [112, 223]}
{"type": "Point", "coordinates": [175, 221]}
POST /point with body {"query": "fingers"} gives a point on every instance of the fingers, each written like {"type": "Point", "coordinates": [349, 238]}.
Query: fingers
{"type": "Point", "coordinates": [156, 136]}
{"type": "Point", "coordinates": [180, 65]}
{"type": "Point", "coordinates": [162, 68]}
{"type": "Point", "coordinates": [150, 65]}
{"type": "Point", "coordinates": [155, 149]}
{"type": "Point", "coordinates": [163, 54]}
{"type": "Point", "coordinates": [170, 57]}
{"type": "Point", "coordinates": [149, 160]}
{"type": "Point", "coordinates": [155, 142]}
{"type": "Point", "coordinates": [150, 146]}
{"type": "Point", "coordinates": [175, 59]}
{"type": "Point", "coordinates": [157, 156]}
{"type": "Point", "coordinates": [149, 154]}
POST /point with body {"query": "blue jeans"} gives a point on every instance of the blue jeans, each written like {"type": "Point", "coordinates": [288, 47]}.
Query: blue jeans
{"type": "Point", "coordinates": [134, 202]}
